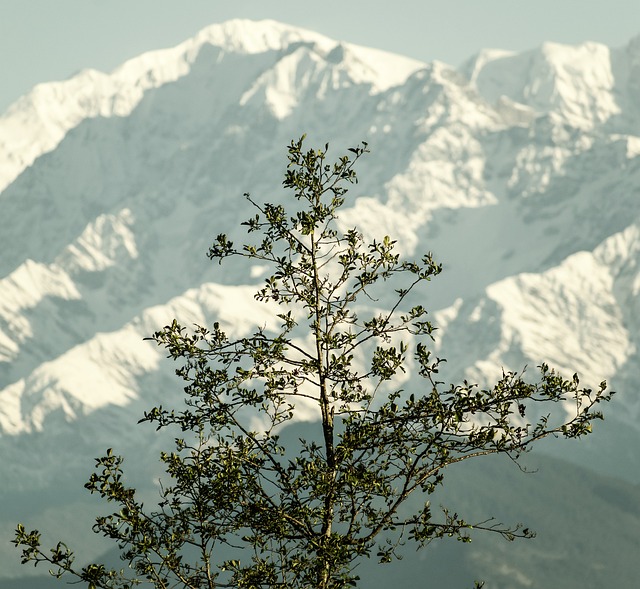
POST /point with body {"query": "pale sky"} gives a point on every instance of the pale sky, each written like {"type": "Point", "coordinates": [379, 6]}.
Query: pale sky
{"type": "Point", "coordinates": [44, 40]}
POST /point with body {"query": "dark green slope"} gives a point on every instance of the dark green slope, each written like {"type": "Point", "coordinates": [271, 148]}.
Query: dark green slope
{"type": "Point", "coordinates": [588, 530]}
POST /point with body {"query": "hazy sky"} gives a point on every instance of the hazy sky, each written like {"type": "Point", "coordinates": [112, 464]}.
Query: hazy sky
{"type": "Point", "coordinates": [43, 40]}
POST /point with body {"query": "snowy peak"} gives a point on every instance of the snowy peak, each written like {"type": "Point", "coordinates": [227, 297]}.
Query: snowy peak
{"type": "Point", "coordinates": [248, 36]}
{"type": "Point", "coordinates": [367, 65]}
{"type": "Point", "coordinates": [584, 86]}
{"type": "Point", "coordinates": [580, 315]}
{"type": "Point", "coordinates": [37, 122]}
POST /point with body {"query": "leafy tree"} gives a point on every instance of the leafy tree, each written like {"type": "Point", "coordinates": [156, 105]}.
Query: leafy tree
{"type": "Point", "coordinates": [241, 509]}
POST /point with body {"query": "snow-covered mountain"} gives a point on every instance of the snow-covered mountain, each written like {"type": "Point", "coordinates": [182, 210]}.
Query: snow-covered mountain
{"type": "Point", "coordinates": [520, 171]}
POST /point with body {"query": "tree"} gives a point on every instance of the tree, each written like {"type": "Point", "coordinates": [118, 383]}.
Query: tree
{"type": "Point", "coordinates": [241, 509]}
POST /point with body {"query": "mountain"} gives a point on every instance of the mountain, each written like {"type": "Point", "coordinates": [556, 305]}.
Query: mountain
{"type": "Point", "coordinates": [519, 171]}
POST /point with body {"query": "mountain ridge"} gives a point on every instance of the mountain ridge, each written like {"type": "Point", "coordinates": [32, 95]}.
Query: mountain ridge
{"type": "Point", "coordinates": [448, 170]}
